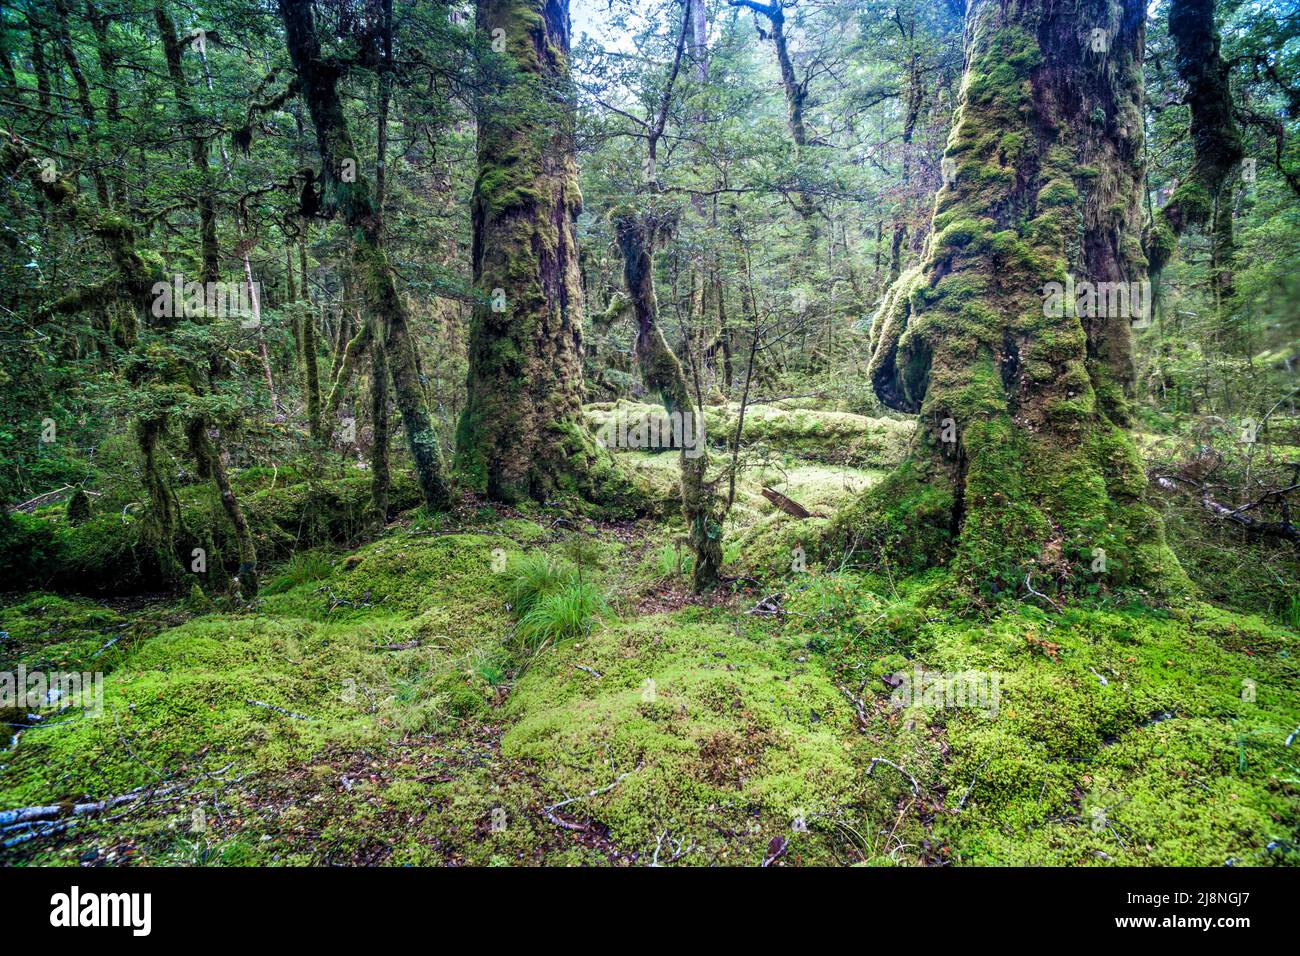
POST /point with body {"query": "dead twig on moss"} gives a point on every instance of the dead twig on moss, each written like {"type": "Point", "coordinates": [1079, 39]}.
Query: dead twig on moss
{"type": "Point", "coordinates": [583, 827]}
{"type": "Point", "coordinates": [278, 710]}
{"type": "Point", "coordinates": [916, 787]}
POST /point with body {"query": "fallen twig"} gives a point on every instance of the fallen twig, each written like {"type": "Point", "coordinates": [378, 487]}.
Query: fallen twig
{"type": "Point", "coordinates": [678, 852]}
{"type": "Point", "coordinates": [581, 827]}
{"type": "Point", "coordinates": [769, 606]}
{"type": "Point", "coordinates": [916, 787]}
{"type": "Point", "coordinates": [1280, 529]}
{"type": "Point", "coordinates": [858, 705]}
{"type": "Point", "coordinates": [775, 850]}
{"type": "Point", "coordinates": [962, 804]}
{"type": "Point", "coordinates": [21, 815]}
{"type": "Point", "coordinates": [279, 710]}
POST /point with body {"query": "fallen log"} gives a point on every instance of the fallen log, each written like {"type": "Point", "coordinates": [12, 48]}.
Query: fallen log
{"type": "Point", "coordinates": [788, 505]}
{"type": "Point", "coordinates": [21, 815]}
{"type": "Point", "coordinates": [48, 498]}
{"type": "Point", "coordinates": [1277, 529]}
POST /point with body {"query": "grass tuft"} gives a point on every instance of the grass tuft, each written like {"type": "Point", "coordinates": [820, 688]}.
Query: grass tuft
{"type": "Point", "coordinates": [563, 613]}
{"type": "Point", "coordinates": [534, 576]}
{"type": "Point", "coordinates": [303, 567]}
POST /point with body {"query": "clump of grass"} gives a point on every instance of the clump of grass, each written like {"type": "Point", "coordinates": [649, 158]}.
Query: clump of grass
{"type": "Point", "coordinates": [1291, 612]}
{"type": "Point", "coordinates": [302, 567]}
{"type": "Point", "coordinates": [562, 613]}
{"type": "Point", "coordinates": [534, 577]}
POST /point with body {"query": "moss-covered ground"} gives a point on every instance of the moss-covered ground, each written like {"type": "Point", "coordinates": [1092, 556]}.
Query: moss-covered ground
{"type": "Point", "coordinates": [381, 704]}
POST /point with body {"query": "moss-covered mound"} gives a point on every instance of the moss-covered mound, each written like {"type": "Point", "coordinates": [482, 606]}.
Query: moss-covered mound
{"type": "Point", "coordinates": [830, 437]}
{"type": "Point", "coordinates": [383, 706]}
{"type": "Point", "coordinates": [109, 552]}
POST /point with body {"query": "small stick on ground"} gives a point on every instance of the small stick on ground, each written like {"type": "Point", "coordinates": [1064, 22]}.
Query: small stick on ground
{"type": "Point", "coordinates": [278, 710]}
{"type": "Point", "coordinates": [916, 787]}
{"type": "Point", "coordinates": [775, 850]}
{"type": "Point", "coordinates": [858, 706]}
{"type": "Point", "coordinates": [678, 852]}
{"type": "Point", "coordinates": [962, 804]}
{"type": "Point", "coordinates": [582, 827]}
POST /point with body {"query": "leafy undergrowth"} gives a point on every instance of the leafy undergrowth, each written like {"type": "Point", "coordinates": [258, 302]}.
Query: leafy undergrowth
{"type": "Point", "coordinates": [394, 705]}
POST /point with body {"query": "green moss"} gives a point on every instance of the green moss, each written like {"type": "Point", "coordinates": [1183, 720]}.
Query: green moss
{"type": "Point", "coordinates": [1058, 192]}
{"type": "Point", "coordinates": [710, 726]}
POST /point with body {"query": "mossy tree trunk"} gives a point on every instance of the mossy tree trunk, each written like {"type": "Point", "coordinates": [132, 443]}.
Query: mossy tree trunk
{"type": "Point", "coordinates": [346, 190]}
{"type": "Point", "coordinates": [164, 515]}
{"type": "Point", "coordinates": [796, 100]}
{"type": "Point", "coordinates": [1204, 197]}
{"type": "Point", "coordinates": [205, 194]}
{"type": "Point", "coordinates": [1022, 474]}
{"type": "Point", "coordinates": [206, 448]}
{"type": "Point", "coordinates": [211, 461]}
{"type": "Point", "coordinates": [1216, 141]}
{"type": "Point", "coordinates": [663, 373]}
{"type": "Point", "coordinates": [521, 434]}
{"type": "Point", "coordinates": [380, 477]}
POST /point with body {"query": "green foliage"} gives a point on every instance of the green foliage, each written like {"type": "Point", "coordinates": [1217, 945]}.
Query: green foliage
{"type": "Point", "coordinates": [564, 612]}
{"type": "Point", "coordinates": [302, 567]}
{"type": "Point", "coordinates": [534, 576]}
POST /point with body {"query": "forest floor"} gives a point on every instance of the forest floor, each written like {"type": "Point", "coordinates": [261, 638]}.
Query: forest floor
{"type": "Point", "coordinates": [379, 706]}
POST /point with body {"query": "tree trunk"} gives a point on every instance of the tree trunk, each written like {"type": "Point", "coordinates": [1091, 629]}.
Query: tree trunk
{"type": "Point", "coordinates": [212, 465]}
{"type": "Point", "coordinates": [1216, 141]}
{"type": "Point", "coordinates": [521, 433]}
{"type": "Point", "coordinates": [198, 148]}
{"type": "Point", "coordinates": [663, 373]}
{"type": "Point", "coordinates": [380, 479]}
{"type": "Point", "coordinates": [63, 38]}
{"type": "Point", "coordinates": [350, 196]}
{"type": "Point", "coordinates": [1022, 474]}
{"type": "Point", "coordinates": [915, 95]}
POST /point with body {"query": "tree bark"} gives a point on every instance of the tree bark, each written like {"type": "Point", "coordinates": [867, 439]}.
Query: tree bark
{"type": "Point", "coordinates": [1021, 465]}
{"type": "Point", "coordinates": [1216, 140]}
{"type": "Point", "coordinates": [380, 476]}
{"type": "Point", "coordinates": [351, 197]}
{"type": "Point", "coordinates": [663, 373]}
{"type": "Point", "coordinates": [521, 434]}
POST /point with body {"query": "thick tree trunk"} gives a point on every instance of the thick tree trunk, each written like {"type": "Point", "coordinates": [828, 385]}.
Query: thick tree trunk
{"type": "Point", "coordinates": [1021, 468]}
{"type": "Point", "coordinates": [350, 196]}
{"type": "Point", "coordinates": [521, 434]}
{"type": "Point", "coordinates": [663, 373]}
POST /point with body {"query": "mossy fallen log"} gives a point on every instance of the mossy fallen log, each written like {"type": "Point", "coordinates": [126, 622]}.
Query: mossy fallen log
{"type": "Point", "coordinates": [836, 438]}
